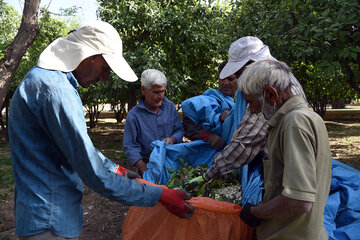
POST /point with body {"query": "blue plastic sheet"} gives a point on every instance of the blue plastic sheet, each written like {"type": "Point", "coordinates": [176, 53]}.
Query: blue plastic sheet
{"type": "Point", "coordinates": [206, 109]}
{"type": "Point", "coordinates": [342, 209]}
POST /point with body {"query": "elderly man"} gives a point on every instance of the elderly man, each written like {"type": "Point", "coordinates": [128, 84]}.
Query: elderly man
{"type": "Point", "coordinates": [218, 103]}
{"type": "Point", "coordinates": [297, 173]}
{"type": "Point", "coordinates": [51, 152]}
{"type": "Point", "coordinates": [154, 118]}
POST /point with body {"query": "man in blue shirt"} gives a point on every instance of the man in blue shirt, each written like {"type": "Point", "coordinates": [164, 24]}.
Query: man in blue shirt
{"type": "Point", "coordinates": [154, 118]}
{"type": "Point", "coordinates": [51, 152]}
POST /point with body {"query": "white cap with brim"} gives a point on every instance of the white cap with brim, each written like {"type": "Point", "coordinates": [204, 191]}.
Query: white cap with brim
{"type": "Point", "coordinates": [243, 50]}
{"type": "Point", "coordinates": [92, 38]}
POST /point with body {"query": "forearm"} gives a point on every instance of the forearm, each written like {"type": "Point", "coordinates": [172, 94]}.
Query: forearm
{"type": "Point", "coordinates": [192, 130]}
{"type": "Point", "coordinates": [247, 141]}
{"type": "Point", "coordinates": [281, 207]}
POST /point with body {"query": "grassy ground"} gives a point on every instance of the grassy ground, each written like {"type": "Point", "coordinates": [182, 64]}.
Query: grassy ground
{"type": "Point", "coordinates": [104, 218]}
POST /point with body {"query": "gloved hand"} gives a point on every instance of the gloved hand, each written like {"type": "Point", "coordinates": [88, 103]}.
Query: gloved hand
{"type": "Point", "coordinates": [216, 141]}
{"type": "Point", "coordinates": [173, 201]}
{"type": "Point", "coordinates": [198, 180]}
{"type": "Point", "coordinates": [192, 183]}
{"type": "Point", "coordinates": [224, 115]}
{"type": "Point", "coordinates": [170, 140]}
{"type": "Point", "coordinates": [125, 172]}
{"type": "Point", "coordinates": [248, 217]}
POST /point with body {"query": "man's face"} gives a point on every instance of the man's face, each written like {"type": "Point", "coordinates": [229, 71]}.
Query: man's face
{"type": "Point", "coordinates": [228, 85]}
{"type": "Point", "coordinates": [154, 96]}
{"type": "Point", "coordinates": [91, 70]}
{"type": "Point", "coordinates": [260, 105]}
{"type": "Point", "coordinates": [255, 104]}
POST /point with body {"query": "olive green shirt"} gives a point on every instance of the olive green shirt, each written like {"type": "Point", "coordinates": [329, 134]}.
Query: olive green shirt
{"type": "Point", "coordinates": [298, 167]}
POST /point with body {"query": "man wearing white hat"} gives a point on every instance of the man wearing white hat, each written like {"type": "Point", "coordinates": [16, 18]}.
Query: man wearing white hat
{"type": "Point", "coordinates": [51, 152]}
{"type": "Point", "coordinates": [248, 140]}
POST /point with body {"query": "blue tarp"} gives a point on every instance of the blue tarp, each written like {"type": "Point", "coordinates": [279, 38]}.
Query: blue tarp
{"type": "Point", "coordinates": [342, 210]}
{"type": "Point", "coordinates": [206, 109]}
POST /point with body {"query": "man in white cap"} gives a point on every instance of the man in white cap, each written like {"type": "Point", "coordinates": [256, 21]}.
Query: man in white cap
{"type": "Point", "coordinates": [248, 140]}
{"type": "Point", "coordinates": [51, 152]}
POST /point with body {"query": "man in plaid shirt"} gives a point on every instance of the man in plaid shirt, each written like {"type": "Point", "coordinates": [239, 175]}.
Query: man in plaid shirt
{"type": "Point", "coordinates": [248, 140]}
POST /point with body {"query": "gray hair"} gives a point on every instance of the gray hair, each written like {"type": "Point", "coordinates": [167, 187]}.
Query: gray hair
{"type": "Point", "coordinates": [152, 77]}
{"type": "Point", "coordinates": [265, 73]}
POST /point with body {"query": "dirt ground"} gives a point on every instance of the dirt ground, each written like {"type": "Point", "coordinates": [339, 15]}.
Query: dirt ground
{"type": "Point", "coordinates": [104, 218]}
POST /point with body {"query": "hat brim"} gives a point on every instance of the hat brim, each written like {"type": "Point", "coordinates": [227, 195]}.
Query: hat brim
{"type": "Point", "coordinates": [231, 68]}
{"type": "Point", "coordinates": [121, 68]}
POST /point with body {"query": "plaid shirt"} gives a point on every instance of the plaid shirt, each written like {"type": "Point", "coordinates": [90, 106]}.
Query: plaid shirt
{"type": "Point", "coordinates": [247, 141]}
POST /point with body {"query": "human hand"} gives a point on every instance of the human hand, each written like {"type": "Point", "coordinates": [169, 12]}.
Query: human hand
{"type": "Point", "coordinates": [224, 115]}
{"type": "Point", "coordinates": [173, 201]}
{"type": "Point", "coordinates": [195, 181]}
{"type": "Point", "coordinates": [216, 141]}
{"type": "Point", "coordinates": [248, 217]}
{"type": "Point", "coordinates": [198, 180]}
{"type": "Point", "coordinates": [170, 140]}
{"type": "Point", "coordinates": [126, 172]}
{"type": "Point", "coordinates": [141, 166]}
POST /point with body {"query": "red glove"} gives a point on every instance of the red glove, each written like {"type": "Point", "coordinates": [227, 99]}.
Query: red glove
{"type": "Point", "coordinates": [214, 140]}
{"type": "Point", "coordinates": [125, 172]}
{"type": "Point", "coordinates": [173, 200]}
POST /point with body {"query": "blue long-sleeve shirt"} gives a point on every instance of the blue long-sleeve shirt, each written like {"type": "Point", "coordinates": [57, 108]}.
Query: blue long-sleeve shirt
{"type": "Point", "coordinates": [52, 155]}
{"type": "Point", "coordinates": [143, 126]}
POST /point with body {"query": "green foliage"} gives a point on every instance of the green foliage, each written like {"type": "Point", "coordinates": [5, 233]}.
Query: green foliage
{"type": "Point", "coordinates": [322, 36]}
{"type": "Point", "coordinates": [225, 189]}
{"type": "Point", "coordinates": [9, 24]}
{"type": "Point", "coordinates": [93, 99]}
{"type": "Point", "coordinates": [181, 38]}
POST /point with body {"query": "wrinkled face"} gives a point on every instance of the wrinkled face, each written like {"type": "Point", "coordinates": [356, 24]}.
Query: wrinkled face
{"type": "Point", "coordinates": [91, 70]}
{"type": "Point", "coordinates": [154, 96]}
{"type": "Point", "coordinates": [255, 104]}
{"type": "Point", "coordinates": [228, 86]}
{"type": "Point", "coordinates": [260, 106]}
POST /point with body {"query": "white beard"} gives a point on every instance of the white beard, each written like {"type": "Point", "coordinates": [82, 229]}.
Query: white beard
{"type": "Point", "coordinates": [268, 110]}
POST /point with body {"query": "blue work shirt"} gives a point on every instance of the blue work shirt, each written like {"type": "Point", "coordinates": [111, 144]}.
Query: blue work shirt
{"type": "Point", "coordinates": [143, 126]}
{"type": "Point", "coordinates": [52, 155]}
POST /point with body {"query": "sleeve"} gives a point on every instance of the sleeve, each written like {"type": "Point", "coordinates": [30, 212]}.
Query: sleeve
{"type": "Point", "coordinates": [299, 179]}
{"type": "Point", "coordinates": [62, 115]}
{"type": "Point", "coordinates": [192, 130]}
{"type": "Point", "coordinates": [247, 141]}
{"type": "Point", "coordinates": [178, 131]}
{"type": "Point", "coordinates": [132, 147]}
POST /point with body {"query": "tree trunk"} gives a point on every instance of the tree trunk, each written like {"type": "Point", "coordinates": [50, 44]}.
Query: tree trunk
{"type": "Point", "coordinates": [28, 31]}
{"type": "Point", "coordinates": [132, 96]}
{"type": "Point", "coordinates": [119, 111]}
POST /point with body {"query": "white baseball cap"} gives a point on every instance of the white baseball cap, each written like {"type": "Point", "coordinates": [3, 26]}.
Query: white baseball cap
{"type": "Point", "coordinates": [92, 38]}
{"type": "Point", "coordinates": [243, 50]}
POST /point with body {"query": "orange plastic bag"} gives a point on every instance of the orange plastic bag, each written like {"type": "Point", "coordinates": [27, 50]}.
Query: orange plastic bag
{"type": "Point", "coordinates": [212, 219]}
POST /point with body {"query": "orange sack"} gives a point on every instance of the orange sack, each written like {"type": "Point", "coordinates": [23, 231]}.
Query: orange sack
{"type": "Point", "coordinates": [212, 219]}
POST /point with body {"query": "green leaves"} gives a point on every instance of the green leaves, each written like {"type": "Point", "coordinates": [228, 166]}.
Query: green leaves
{"type": "Point", "coordinates": [225, 189]}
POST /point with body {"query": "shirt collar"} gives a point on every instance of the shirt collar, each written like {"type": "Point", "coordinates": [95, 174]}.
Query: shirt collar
{"type": "Point", "coordinates": [142, 104]}
{"type": "Point", "coordinates": [288, 106]}
{"type": "Point", "coordinates": [72, 79]}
